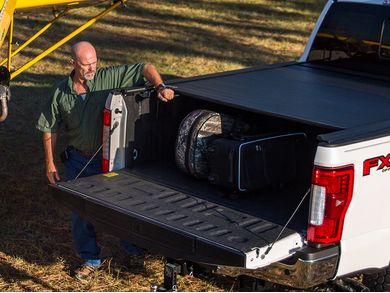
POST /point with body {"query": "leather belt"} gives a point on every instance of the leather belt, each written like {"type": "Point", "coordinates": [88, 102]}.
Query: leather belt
{"type": "Point", "coordinates": [85, 154]}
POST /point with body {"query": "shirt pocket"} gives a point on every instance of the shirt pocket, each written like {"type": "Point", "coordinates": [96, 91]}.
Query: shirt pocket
{"type": "Point", "coordinates": [71, 115]}
{"type": "Point", "coordinates": [93, 113]}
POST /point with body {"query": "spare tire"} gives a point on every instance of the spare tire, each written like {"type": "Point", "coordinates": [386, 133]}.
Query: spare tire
{"type": "Point", "coordinates": [196, 131]}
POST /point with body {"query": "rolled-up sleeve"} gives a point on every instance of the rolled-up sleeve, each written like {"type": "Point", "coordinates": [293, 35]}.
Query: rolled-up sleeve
{"type": "Point", "coordinates": [123, 76]}
{"type": "Point", "coordinates": [133, 75]}
{"type": "Point", "coordinates": [50, 116]}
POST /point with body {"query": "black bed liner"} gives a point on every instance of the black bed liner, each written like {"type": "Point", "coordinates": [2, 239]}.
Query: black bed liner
{"type": "Point", "coordinates": [165, 220]}
{"type": "Point", "coordinates": [302, 92]}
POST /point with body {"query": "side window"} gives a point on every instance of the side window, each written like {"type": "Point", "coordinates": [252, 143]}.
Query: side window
{"type": "Point", "coordinates": [354, 36]}
{"type": "Point", "coordinates": [347, 31]}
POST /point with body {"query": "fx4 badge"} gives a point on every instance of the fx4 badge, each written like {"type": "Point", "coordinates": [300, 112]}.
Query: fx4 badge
{"type": "Point", "coordinates": [382, 162]}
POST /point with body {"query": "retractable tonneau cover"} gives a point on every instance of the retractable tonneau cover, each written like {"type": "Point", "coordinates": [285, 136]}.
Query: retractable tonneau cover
{"type": "Point", "coordinates": [297, 91]}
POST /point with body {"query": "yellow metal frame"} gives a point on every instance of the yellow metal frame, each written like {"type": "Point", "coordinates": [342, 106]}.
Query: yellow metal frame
{"type": "Point", "coordinates": [53, 47]}
{"type": "Point", "coordinates": [26, 4]}
{"type": "Point", "coordinates": [7, 8]}
{"type": "Point", "coordinates": [30, 40]}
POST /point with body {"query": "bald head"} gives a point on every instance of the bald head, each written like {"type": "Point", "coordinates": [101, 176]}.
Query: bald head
{"type": "Point", "coordinates": [81, 49]}
{"type": "Point", "coordinates": [84, 60]}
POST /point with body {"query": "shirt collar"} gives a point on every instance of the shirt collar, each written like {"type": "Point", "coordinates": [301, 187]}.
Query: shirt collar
{"type": "Point", "coordinates": [90, 83]}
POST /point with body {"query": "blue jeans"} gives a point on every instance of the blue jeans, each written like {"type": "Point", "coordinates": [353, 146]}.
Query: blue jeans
{"type": "Point", "coordinates": [83, 232]}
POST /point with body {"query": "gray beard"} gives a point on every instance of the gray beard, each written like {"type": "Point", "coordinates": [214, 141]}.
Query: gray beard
{"type": "Point", "coordinates": [89, 76]}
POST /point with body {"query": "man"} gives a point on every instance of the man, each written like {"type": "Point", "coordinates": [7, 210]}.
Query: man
{"type": "Point", "coordinates": [78, 103]}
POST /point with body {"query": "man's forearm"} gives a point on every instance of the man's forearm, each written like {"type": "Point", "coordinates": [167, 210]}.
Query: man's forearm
{"type": "Point", "coordinates": [152, 75]}
{"type": "Point", "coordinates": [49, 144]}
{"type": "Point", "coordinates": [163, 93]}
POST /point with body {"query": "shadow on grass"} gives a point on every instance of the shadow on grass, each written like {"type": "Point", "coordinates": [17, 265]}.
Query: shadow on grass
{"type": "Point", "coordinates": [11, 275]}
{"type": "Point", "coordinates": [203, 39]}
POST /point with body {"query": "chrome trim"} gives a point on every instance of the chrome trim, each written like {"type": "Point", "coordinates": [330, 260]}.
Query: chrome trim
{"type": "Point", "coordinates": [5, 96]}
{"type": "Point", "coordinates": [302, 274]}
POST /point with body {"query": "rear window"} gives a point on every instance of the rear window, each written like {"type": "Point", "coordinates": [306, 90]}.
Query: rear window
{"type": "Point", "coordinates": [355, 36]}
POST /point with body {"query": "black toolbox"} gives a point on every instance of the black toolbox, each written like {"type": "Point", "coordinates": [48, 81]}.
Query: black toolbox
{"type": "Point", "coordinates": [247, 164]}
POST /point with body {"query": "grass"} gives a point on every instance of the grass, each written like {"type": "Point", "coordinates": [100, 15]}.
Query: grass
{"type": "Point", "coordinates": [181, 38]}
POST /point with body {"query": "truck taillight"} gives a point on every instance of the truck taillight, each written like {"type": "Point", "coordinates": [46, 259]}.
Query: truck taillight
{"type": "Point", "coordinates": [105, 165]}
{"type": "Point", "coordinates": [331, 195]}
{"type": "Point", "coordinates": [106, 140]}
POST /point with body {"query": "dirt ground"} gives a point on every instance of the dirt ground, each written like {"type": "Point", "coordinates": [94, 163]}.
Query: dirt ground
{"type": "Point", "coordinates": [36, 252]}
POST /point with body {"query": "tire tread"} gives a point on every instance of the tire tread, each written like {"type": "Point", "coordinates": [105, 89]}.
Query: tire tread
{"type": "Point", "coordinates": [379, 281]}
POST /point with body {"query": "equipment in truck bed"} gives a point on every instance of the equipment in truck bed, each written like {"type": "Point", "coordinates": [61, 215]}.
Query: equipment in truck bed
{"type": "Point", "coordinates": [247, 164]}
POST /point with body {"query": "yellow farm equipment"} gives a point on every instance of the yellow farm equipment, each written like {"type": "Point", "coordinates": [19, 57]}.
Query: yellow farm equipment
{"type": "Point", "coordinates": [8, 7]}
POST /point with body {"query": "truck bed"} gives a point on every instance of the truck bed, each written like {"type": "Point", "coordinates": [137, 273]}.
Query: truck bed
{"type": "Point", "coordinates": [183, 220]}
{"type": "Point", "coordinates": [314, 95]}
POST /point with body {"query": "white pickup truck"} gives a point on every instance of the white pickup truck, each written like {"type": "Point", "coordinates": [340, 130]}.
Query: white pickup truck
{"type": "Point", "coordinates": [333, 222]}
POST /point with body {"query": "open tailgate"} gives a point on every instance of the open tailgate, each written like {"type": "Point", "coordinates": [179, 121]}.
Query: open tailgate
{"type": "Point", "coordinates": [174, 223]}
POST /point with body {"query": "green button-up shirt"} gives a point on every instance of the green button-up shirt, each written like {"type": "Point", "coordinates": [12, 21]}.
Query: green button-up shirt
{"type": "Point", "coordinates": [83, 118]}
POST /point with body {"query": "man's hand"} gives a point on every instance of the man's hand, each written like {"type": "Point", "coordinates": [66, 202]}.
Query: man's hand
{"type": "Point", "coordinates": [166, 94]}
{"type": "Point", "coordinates": [51, 173]}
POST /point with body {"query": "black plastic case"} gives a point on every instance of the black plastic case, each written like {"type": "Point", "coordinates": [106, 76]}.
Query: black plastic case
{"type": "Point", "coordinates": [249, 164]}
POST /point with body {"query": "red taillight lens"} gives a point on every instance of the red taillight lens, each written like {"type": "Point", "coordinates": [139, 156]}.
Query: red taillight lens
{"type": "Point", "coordinates": [105, 165]}
{"type": "Point", "coordinates": [330, 198]}
{"type": "Point", "coordinates": [106, 142]}
{"type": "Point", "coordinates": [106, 117]}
